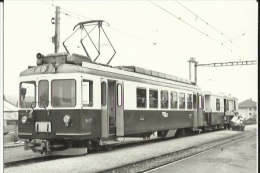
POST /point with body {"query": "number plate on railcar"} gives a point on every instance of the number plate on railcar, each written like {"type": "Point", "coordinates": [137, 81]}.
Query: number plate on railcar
{"type": "Point", "coordinates": [43, 127]}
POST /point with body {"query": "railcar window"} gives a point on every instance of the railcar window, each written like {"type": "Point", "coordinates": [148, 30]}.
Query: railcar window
{"type": "Point", "coordinates": [218, 104]}
{"type": "Point", "coordinates": [194, 101]}
{"type": "Point", "coordinates": [164, 99]}
{"type": "Point", "coordinates": [119, 94]}
{"type": "Point", "coordinates": [202, 102]}
{"type": "Point", "coordinates": [153, 98]}
{"type": "Point", "coordinates": [227, 105]}
{"type": "Point", "coordinates": [103, 93]}
{"type": "Point", "coordinates": [87, 93]}
{"type": "Point", "coordinates": [141, 97]}
{"type": "Point", "coordinates": [43, 91]}
{"type": "Point", "coordinates": [182, 100]}
{"type": "Point", "coordinates": [63, 93]}
{"type": "Point", "coordinates": [174, 100]}
{"type": "Point", "coordinates": [27, 94]}
{"type": "Point", "coordinates": [189, 101]}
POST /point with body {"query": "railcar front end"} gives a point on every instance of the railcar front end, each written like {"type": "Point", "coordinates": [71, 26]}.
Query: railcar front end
{"type": "Point", "coordinates": [51, 118]}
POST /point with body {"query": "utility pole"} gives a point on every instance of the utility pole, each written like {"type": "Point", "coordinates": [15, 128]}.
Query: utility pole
{"type": "Point", "coordinates": [56, 37]}
{"type": "Point", "coordinates": [192, 60]}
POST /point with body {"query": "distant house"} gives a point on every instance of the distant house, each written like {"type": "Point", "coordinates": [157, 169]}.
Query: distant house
{"type": "Point", "coordinates": [10, 113]}
{"type": "Point", "coordinates": [11, 99]}
{"type": "Point", "coordinates": [248, 109]}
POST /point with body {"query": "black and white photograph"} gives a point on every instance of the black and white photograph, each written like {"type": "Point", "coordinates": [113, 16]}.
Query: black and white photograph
{"type": "Point", "coordinates": [154, 86]}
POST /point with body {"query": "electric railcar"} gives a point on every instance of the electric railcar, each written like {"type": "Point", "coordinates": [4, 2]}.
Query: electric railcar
{"type": "Point", "coordinates": [69, 104]}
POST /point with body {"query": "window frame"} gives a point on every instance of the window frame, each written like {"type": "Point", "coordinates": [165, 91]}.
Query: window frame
{"type": "Point", "coordinates": [103, 93]}
{"type": "Point", "coordinates": [156, 99]}
{"type": "Point", "coordinates": [189, 96]}
{"type": "Point", "coordinates": [167, 101]}
{"type": "Point", "coordinates": [180, 93]}
{"type": "Point", "coordinates": [52, 92]}
{"type": "Point", "coordinates": [217, 103]}
{"type": "Point", "coordinates": [141, 88]}
{"type": "Point", "coordinates": [48, 89]}
{"type": "Point", "coordinates": [35, 90]}
{"type": "Point", "coordinates": [91, 95]}
{"type": "Point", "coordinates": [171, 100]}
{"type": "Point", "coordinates": [119, 96]}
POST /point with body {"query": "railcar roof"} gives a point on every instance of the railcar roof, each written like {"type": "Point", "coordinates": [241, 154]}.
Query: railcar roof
{"type": "Point", "coordinates": [85, 61]}
{"type": "Point", "coordinates": [223, 95]}
{"type": "Point", "coordinates": [153, 73]}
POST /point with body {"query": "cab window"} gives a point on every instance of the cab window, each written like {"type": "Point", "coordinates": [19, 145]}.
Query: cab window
{"type": "Point", "coordinates": [27, 94]}
{"type": "Point", "coordinates": [43, 91]}
{"type": "Point", "coordinates": [63, 93]}
{"type": "Point", "coordinates": [87, 93]}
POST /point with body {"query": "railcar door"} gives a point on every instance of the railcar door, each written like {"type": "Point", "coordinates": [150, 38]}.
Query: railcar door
{"type": "Point", "coordinates": [195, 108]}
{"type": "Point", "coordinates": [200, 110]}
{"type": "Point", "coordinates": [104, 109]}
{"type": "Point", "coordinates": [111, 103]}
{"type": "Point", "coordinates": [119, 108]}
{"type": "Point", "coordinates": [198, 106]}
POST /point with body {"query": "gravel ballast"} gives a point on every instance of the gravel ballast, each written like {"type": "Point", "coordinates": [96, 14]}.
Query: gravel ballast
{"type": "Point", "coordinates": [101, 161]}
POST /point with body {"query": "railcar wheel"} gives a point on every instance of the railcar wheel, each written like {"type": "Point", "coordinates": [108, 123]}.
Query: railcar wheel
{"type": "Point", "coordinates": [108, 147]}
{"type": "Point", "coordinates": [228, 127]}
{"type": "Point", "coordinates": [204, 130]}
{"type": "Point", "coordinates": [189, 132]}
{"type": "Point", "coordinates": [163, 134]}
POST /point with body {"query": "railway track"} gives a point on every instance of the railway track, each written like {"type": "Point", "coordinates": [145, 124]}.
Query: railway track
{"type": "Point", "coordinates": [124, 144]}
{"type": "Point", "coordinates": [42, 158]}
{"type": "Point", "coordinates": [197, 154]}
{"type": "Point", "coordinates": [169, 158]}
{"type": "Point", "coordinates": [28, 161]}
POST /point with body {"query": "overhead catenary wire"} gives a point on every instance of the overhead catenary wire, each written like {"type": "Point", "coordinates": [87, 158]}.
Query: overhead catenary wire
{"type": "Point", "coordinates": [203, 20]}
{"type": "Point", "coordinates": [179, 18]}
{"type": "Point", "coordinates": [220, 32]}
{"type": "Point", "coordinates": [128, 34]}
{"type": "Point", "coordinates": [113, 28]}
{"type": "Point", "coordinates": [141, 39]}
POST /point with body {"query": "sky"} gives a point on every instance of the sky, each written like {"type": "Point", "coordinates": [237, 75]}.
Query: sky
{"type": "Point", "coordinates": [157, 35]}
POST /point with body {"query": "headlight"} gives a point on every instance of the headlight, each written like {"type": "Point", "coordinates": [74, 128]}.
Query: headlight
{"type": "Point", "coordinates": [24, 119]}
{"type": "Point", "coordinates": [66, 119]}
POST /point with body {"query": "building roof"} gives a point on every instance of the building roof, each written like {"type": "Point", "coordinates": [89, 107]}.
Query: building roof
{"type": "Point", "coordinates": [247, 104]}
{"type": "Point", "coordinates": [11, 99]}
{"type": "Point", "coordinates": [10, 111]}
